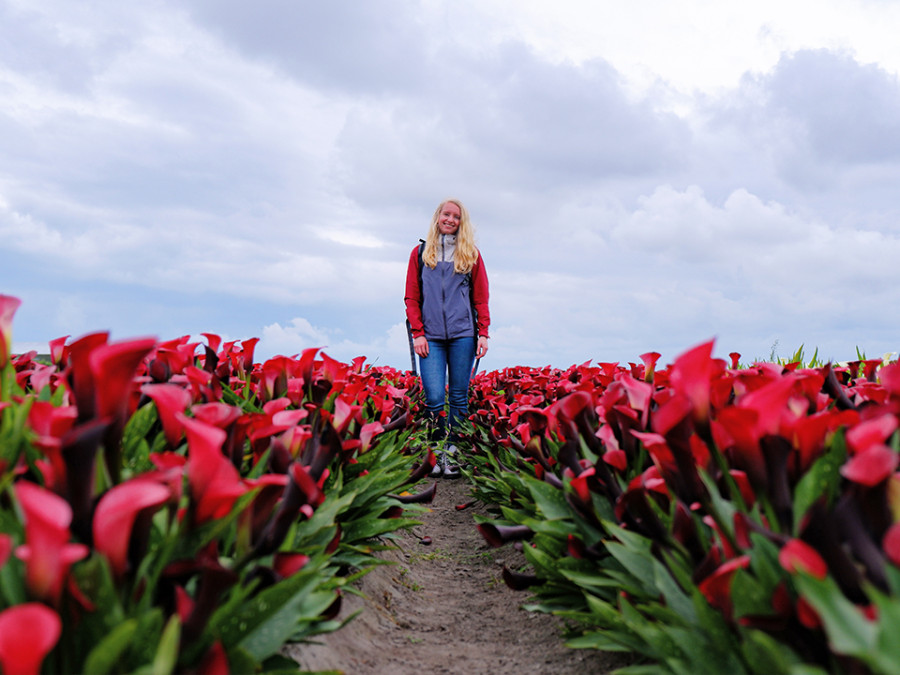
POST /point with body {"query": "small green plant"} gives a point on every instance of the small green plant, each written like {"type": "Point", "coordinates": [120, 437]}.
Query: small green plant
{"type": "Point", "coordinates": [437, 554]}
{"type": "Point", "coordinates": [404, 581]}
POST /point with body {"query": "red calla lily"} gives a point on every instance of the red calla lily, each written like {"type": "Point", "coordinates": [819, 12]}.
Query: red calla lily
{"type": "Point", "coordinates": [798, 555]}
{"type": "Point", "coordinates": [871, 466]}
{"type": "Point", "coordinates": [716, 587]}
{"type": "Point", "coordinates": [46, 552]}
{"type": "Point", "coordinates": [5, 548]}
{"type": "Point", "coordinates": [170, 399]}
{"type": "Point", "coordinates": [28, 632]}
{"type": "Point", "coordinates": [215, 483]}
{"type": "Point", "coordinates": [690, 376]}
{"type": "Point", "coordinates": [8, 307]}
{"type": "Point", "coordinates": [115, 516]}
{"type": "Point", "coordinates": [891, 544]}
{"type": "Point", "coordinates": [871, 432]}
{"type": "Point", "coordinates": [288, 563]}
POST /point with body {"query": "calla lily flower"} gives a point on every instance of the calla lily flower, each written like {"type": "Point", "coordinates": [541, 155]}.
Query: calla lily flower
{"type": "Point", "coordinates": [871, 432]}
{"type": "Point", "coordinates": [215, 483]}
{"type": "Point", "coordinates": [287, 563]}
{"type": "Point", "coordinates": [425, 496]}
{"type": "Point", "coordinates": [519, 581]}
{"type": "Point", "coordinates": [691, 375]}
{"type": "Point", "coordinates": [47, 552]}
{"type": "Point", "coordinates": [368, 433]}
{"type": "Point", "coordinates": [170, 399]}
{"type": "Point", "coordinates": [716, 587]}
{"type": "Point", "coordinates": [28, 632]}
{"type": "Point", "coordinates": [872, 466]}
{"type": "Point", "coordinates": [115, 516]}
{"type": "Point", "coordinates": [5, 548]}
{"type": "Point", "coordinates": [797, 555]}
{"type": "Point", "coordinates": [891, 544]}
{"type": "Point", "coordinates": [498, 535]}
{"type": "Point", "coordinates": [8, 307]}
{"type": "Point", "coordinates": [215, 662]}
{"type": "Point", "coordinates": [80, 374]}
{"type": "Point", "coordinates": [58, 350]}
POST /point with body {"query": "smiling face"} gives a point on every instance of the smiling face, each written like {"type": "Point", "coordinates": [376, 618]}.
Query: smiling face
{"type": "Point", "coordinates": [449, 218]}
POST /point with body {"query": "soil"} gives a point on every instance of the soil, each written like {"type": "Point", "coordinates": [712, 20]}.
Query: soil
{"type": "Point", "coordinates": [443, 608]}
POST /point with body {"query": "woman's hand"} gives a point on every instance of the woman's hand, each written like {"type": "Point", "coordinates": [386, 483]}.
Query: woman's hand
{"type": "Point", "coordinates": [420, 346]}
{"type": "Point", "coordinates": [482, 347]}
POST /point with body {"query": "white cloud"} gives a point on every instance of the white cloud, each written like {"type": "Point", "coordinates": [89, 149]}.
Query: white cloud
{"type": "Point", "coordinates": [224, 167]}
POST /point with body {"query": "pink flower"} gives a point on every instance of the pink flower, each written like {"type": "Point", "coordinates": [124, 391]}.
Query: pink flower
{"type": "Point", "coordinates": [169, 399]}
{"type": "Point", "coordinates": [113, 367]}
{"type": "Point", "coordinates": [871, 432]}
{"type": "Point", "coordinates": [47, 552]}
{"type": "Point", "coordinates": [58, 351]}
{"type": "Point", "coordinates": [115, 516]}
{"type": "Point", "coordinates": [716, 588]}
{"type": "Point", "coordinates": [8, 307]}
{"type": "Point", "coordinates": [797, 555]}
{"type": "Point", "coordinates": [288, 563]}
{"type": "Point", "coordinates": [691, 375]}
{"type": "Point", "coordinates": [27, 634]}
{"type": "Point", "coordinates": [5, 548]}
{"type": "Point", "coordinates": [215, 483]}
{"type": "Point", "coordinates": [871, 466]}
{"type": "Point", "coordinates": [368, 433]}
{"type": "Point", "coordinates": [891, 544]}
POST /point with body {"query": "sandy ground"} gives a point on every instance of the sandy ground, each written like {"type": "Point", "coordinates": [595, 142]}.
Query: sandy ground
{"type": "Point", "coordinates": [443, 608]}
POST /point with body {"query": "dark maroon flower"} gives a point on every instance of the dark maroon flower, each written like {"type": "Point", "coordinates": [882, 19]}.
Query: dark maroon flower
{"type": "Point", "coordinates": [498, 535]}
{"type": "Point", "coordinates": [518, 581]}
{"type": "Point", "coordinates": [425, 496]}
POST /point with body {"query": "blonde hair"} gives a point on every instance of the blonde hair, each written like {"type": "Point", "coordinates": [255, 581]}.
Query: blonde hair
{"type": "Point", "coordinates": [466, 252]}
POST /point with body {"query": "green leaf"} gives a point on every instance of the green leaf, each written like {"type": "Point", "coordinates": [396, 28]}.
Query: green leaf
{"type": "Point", "coordinates": [550, 501]}
{"type": "Point", "coordinates": [167, 654]}
{"type": "Point", "coordinates": [107, 653]}
{"type": "Point", "coordinates": [676, 599]}
{"type": "Point", "coordinates": [822, 479]}
{"type": "Point", "coordinates": [94, 580]}
{"type": "Point", "coordinates": [749, 596]}
{"type": "Point", "coordinates": [374, 527]}
{"type": "Point", "coordinates": [849, 632]}
{"type": "Point", "coordinates": [767, 656]}
{"type": "Point", "coordinates": [135, 448]}
{"type": "Point", "coordinates": [262, 624]}
{"type": "Point", "coordinates": [148, 637]}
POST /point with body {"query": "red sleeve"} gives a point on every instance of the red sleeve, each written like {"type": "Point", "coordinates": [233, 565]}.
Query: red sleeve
{"type": "Point", "coordinates": [413, 296]}
{"type": "Point", "coordinates": [480, 296]}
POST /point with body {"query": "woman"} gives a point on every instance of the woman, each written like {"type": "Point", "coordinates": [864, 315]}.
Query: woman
{"type": "Point", "coordinates": [447, 309]}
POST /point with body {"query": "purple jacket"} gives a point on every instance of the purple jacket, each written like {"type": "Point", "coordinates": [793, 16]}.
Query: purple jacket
{"type": "Point", "coordinates": [447, 305]}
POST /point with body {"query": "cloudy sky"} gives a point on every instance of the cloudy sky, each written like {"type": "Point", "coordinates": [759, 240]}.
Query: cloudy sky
{"type": "Point", "coordinates": [643, 176]}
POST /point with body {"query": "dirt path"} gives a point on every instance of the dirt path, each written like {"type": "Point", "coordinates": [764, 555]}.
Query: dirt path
{"type": "Point", "coordinates": [443, 608]}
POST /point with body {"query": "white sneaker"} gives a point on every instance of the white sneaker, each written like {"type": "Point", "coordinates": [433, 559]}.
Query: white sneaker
{"type": "Point", "coordinates": [438, 468]}
{"type": "Point", "coordinates": [451, 468]}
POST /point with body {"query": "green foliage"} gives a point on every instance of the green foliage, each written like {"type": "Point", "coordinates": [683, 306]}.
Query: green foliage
{"type": "Point", "coordinates": [122, 618]}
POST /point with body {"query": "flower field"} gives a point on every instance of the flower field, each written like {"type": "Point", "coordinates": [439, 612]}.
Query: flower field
{"type": "Point", "coordinates": [177, 507]}
{"type": "Point", "coordinates": [705, 517]}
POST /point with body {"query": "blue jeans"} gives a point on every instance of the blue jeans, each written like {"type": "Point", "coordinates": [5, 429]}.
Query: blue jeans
{"type": "Point", "coordinates": [456, 358]}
